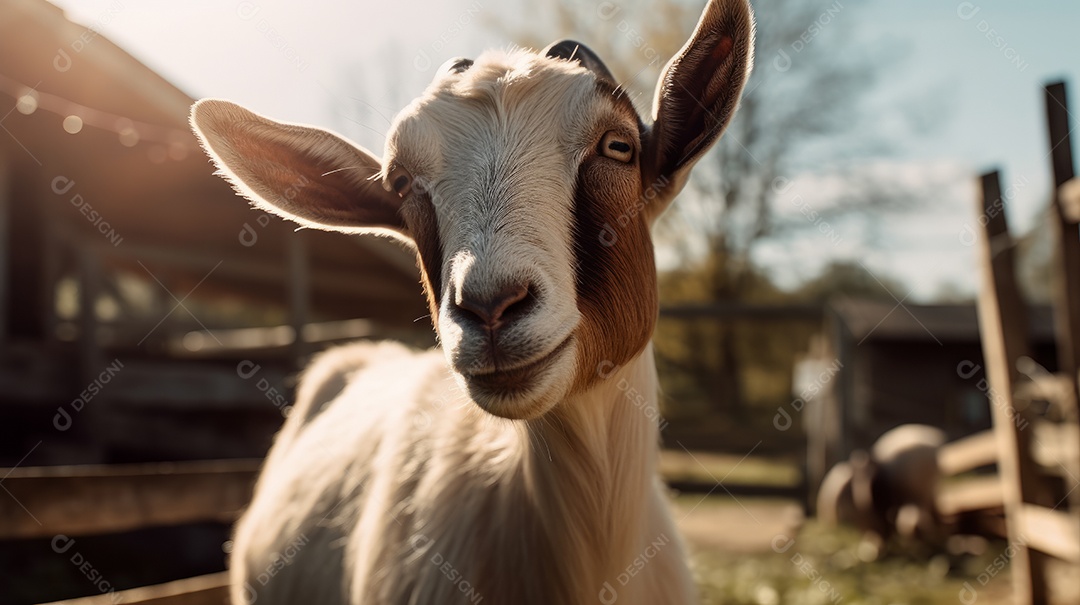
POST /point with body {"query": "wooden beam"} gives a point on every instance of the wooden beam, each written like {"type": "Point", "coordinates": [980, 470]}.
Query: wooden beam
{"type": "Point", "coordinates": [1065, 270]}
{"type": "Point", "coordinates": [95, 499]}
{"type": "Point", "coordinates": [967, 495]}
{"type": "Point", "coordinates": [212, 589]}
{"type": "Point", "coordinates": [1055, 445]}
{"type": "Point", "coordinates": [1067, 262]}
{"type": "Point", "coordinates": [268, 270]}
{"type": "Point", "coordinates": [216, 340]}
{"type": "Point", "coordinates": [1003, 324]}
{"type": "Point", "coordinates": [1050, 531]}
{"type": "Point", "coordinates": [1057, 123]}
{"type": "Point", "coordinates": [968, 453]}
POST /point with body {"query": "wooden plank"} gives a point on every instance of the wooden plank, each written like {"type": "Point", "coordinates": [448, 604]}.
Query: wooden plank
{"type": "Point", "coordinates": [1065, 269]}
{"type": "Point", "coordinates": [967, 495]}
{"type": "Point", "coordinates": [1051, 531]}
{"type": "Point", "coordinates": [1067, 236]}
{"type": "Point", "coordinates": [342, 282]}
{"type": "Point", "coordinates": [1044, 385]}
{"type": "Point", "coordinates": [216, 340]}
{"type": "Point", "coordinates": [88, 500]}
{"type": "Point", "coordinates": [1002, 324]}
{"type": "Point", "coordinates": [968, 453]}
{"type": "Point", "coordinates": [212, 589]}
{"type": "Point", "coordinates": [1054, 445]}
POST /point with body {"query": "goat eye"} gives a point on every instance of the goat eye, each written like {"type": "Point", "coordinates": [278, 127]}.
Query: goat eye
{"type": "Point", "coordinates": [400, 181]}
{"type": "Point", "coordinates": [616, 147]}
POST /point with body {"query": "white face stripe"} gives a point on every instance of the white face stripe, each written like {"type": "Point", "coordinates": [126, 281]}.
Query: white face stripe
{"type": "Point", "coordinates": [498, 147]}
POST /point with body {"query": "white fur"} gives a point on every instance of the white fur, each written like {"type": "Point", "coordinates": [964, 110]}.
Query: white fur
{"type": "Point", "coordinates": [398, 474]}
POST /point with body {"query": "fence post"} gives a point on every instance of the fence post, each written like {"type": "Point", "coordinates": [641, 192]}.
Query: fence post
{"type": "Point", "coordinates": [1067, 263]}
{"type": "Point", "coordinates": [1003, 325]}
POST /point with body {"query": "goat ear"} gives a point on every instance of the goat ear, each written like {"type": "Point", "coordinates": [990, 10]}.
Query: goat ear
{"type": "Point", "coordinates": [305, 174]}
{"type": "Point", "coordinates": [569, 50]}
{"type": "Point", "coordinates": [698, 92]}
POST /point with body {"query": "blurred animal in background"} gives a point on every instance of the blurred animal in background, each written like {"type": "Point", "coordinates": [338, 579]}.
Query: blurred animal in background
{"type": "Point", "coordinates": [517, 464]}
{"type": "Point", "coordinates": [890, 491]}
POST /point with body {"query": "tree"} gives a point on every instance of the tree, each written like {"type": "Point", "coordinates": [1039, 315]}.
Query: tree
{"type": "Point", "coordinates": [803, 109]}
{"type": "Point", "coordinates": [850, 279]}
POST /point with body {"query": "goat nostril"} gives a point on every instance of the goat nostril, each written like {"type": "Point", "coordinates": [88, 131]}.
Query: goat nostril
{"type": "Point", "coordinates": [514, 299]}
{"type": "Point", "coordinates": [510, 301]}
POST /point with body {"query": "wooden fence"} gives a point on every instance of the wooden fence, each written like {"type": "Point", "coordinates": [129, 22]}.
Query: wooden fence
{"type": "Point", "coordinates": [86, 500]}
{"type": "Point", "coordinates": [1036, 525]}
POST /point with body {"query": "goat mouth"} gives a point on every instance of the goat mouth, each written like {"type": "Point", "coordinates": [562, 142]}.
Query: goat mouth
{"type": "Point", "coordinates": [513, 380]}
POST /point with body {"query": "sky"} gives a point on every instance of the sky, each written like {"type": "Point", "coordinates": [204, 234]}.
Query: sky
{"type": "Point", "coordinates": [976, 70]}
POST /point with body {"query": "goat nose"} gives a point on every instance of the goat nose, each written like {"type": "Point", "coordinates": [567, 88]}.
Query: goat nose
{"type": "Point", "coordinates": [493, 311]}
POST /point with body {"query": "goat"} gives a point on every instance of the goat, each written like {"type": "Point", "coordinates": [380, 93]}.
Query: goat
{"type": "Point", "coordinates": [518, 463]}
{"type": "Point", "coordinates": [890, 491]}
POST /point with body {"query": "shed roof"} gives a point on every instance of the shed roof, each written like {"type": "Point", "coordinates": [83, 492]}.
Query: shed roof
{"type": "Point", "coordinates": [896, 321]}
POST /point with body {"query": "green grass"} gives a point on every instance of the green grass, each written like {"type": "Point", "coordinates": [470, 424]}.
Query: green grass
{"type": "Point", "coordinates": [823, 567]}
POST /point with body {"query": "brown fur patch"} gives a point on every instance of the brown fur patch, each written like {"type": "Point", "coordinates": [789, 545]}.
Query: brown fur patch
{"type": "Point", "coordinates": [616, 268]}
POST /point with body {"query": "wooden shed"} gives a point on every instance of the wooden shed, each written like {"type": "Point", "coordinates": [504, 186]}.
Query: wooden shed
{"type": "Point", "coordinates": [134, 282]}
{"type": "Point", "coordinates": [877, 365]}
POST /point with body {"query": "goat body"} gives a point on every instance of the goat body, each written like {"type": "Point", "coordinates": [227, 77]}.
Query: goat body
{"type": "Point", "coordinates": [425, 498]}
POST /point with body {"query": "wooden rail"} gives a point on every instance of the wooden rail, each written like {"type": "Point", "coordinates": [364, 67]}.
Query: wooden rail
{"type": "Point", "coordinates": [973, 494]}
{"type": "Point", "coordinates": [1051, 444]}
{"type": "Point", "coordinates": [968, 453]}
{"type": "Point", "coordinates": [1050, 531]}
{"type": "Point", "coordinates": [88, 500]}
{"type": "Point", "coordinates": [211, 589]}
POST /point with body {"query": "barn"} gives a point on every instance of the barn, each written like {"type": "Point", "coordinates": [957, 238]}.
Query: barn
{"type": "Point", "coordinates": [146, 313]}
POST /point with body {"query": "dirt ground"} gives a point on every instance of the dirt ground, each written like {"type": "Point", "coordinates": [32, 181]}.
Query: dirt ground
{"type": "Point", "coordinates": [736, 526]}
